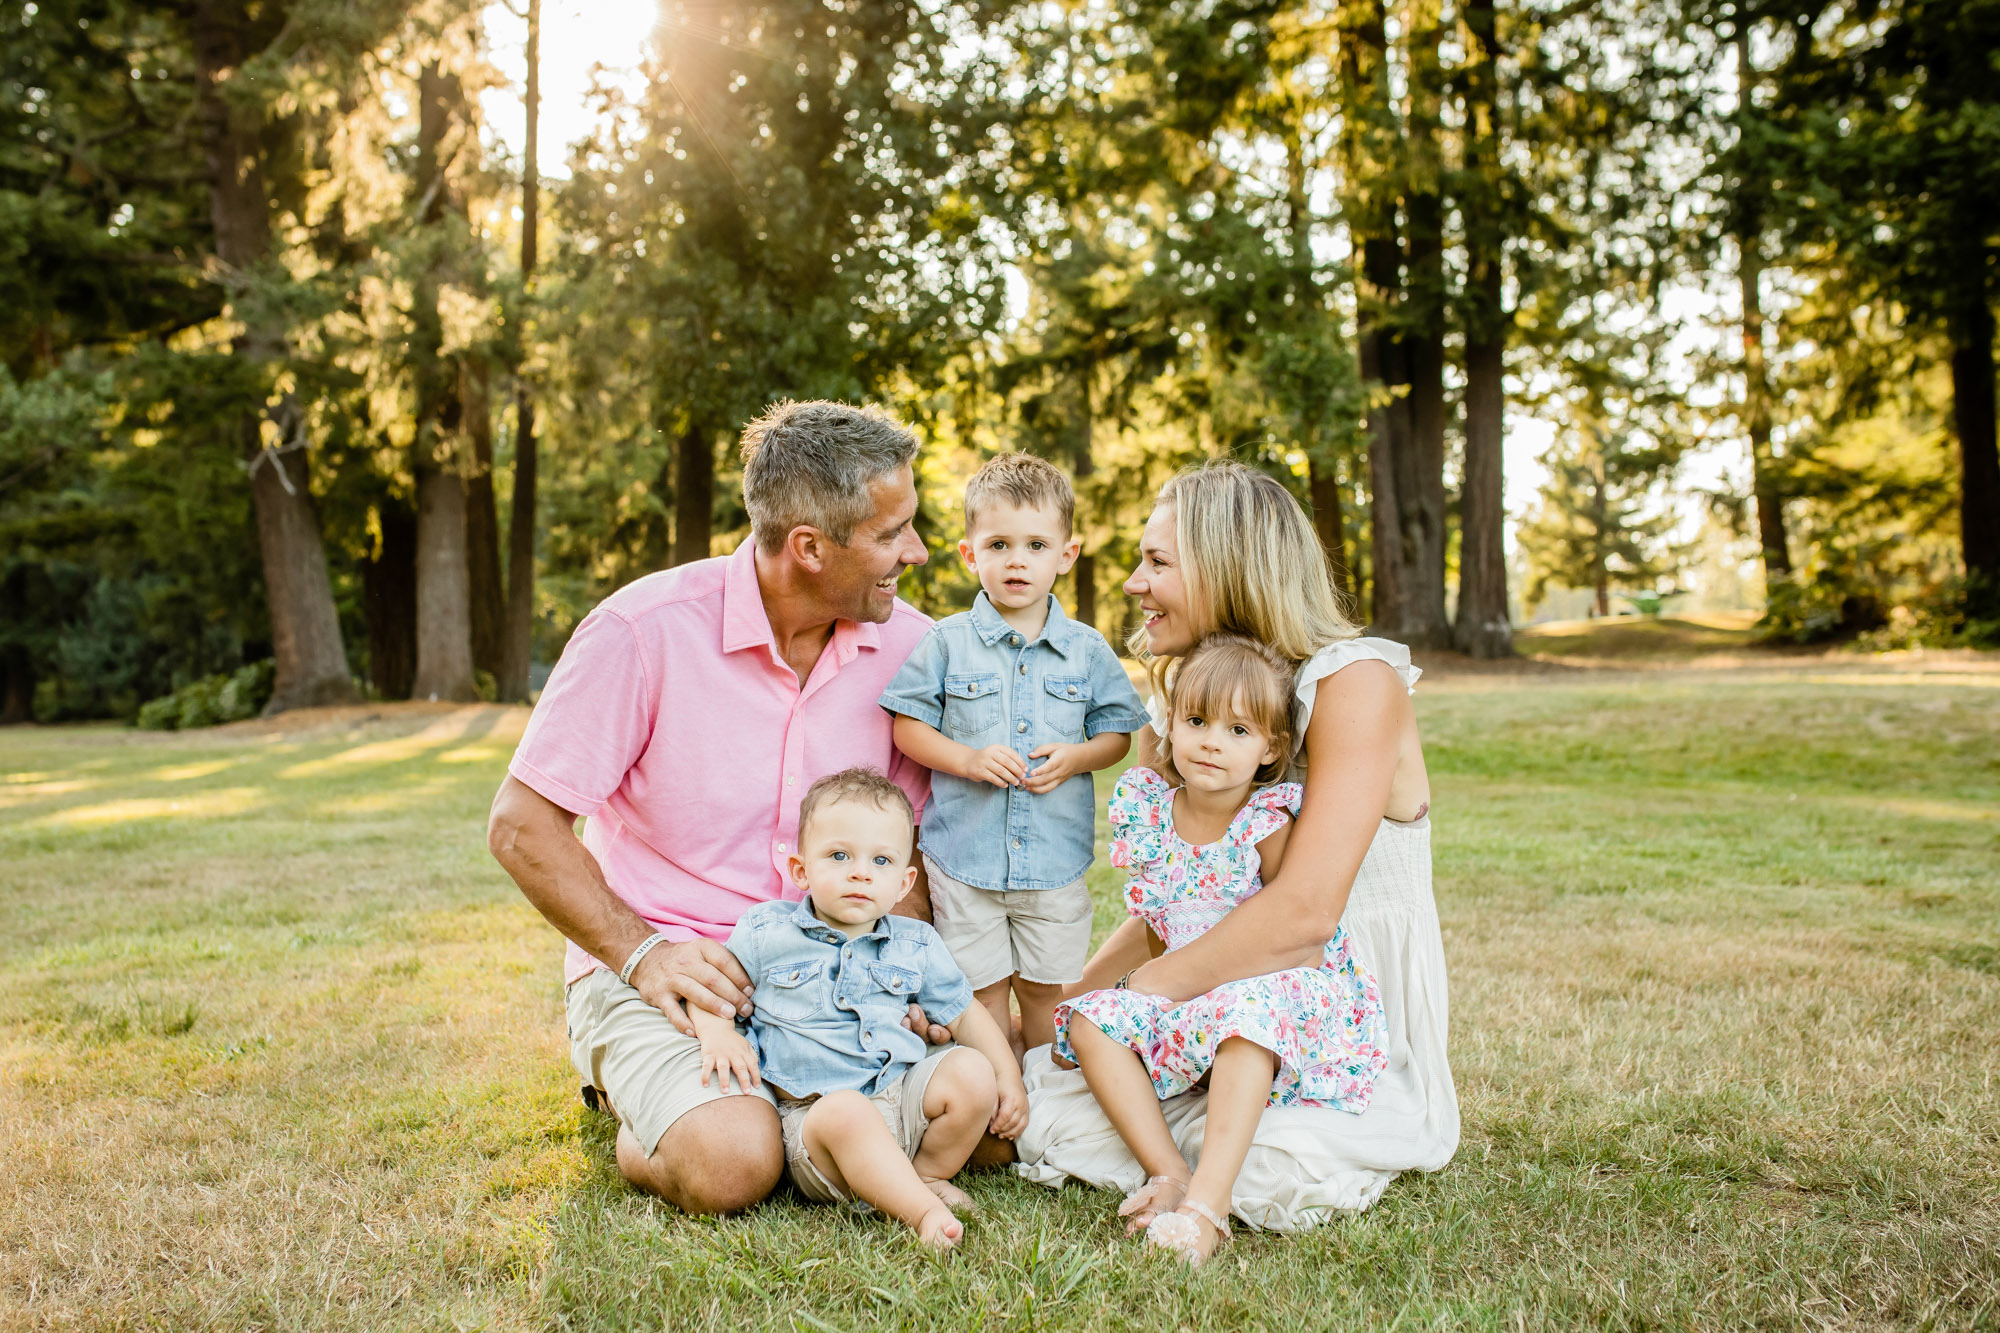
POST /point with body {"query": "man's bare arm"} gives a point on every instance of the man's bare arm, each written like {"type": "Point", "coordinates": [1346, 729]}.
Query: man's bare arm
{"type": "Point", "coordinates": [535, 841]}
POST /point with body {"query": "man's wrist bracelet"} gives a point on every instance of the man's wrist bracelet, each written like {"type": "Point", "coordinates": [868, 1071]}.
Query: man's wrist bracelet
{"type": "Point", "coordinates": [645, 947]}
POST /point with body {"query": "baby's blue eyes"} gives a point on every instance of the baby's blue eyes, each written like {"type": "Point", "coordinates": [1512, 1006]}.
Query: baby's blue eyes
{"type": "Point", "coordinates": [842, 856]}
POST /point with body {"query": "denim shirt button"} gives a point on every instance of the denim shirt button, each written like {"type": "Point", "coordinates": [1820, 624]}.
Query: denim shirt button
{"type": "Point", "coordinates": [1021, 727]}
{"type": "Point", "coordinates": [1014, 639]}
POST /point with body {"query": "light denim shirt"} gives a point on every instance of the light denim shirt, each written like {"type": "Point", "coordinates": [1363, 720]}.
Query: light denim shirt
{"type": "Point", "coordinates": [830, 1009]}
{"type": "Point", "coordinates": [974, 679]}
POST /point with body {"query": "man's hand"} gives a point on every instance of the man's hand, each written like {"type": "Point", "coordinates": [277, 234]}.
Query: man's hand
{"type": "Point", "coordinates": [1010, 1114]}
{"type": "Point", "coordinates": [727, 1053]}
{"type": "Point", "coordinates": [1059, 764]}
{"type": "Point", "coordinates": [697, 972]}
{"type": "Point", "coordinates": [997, 764]}
{"type": "Point", "coordinates": [919, 1022]}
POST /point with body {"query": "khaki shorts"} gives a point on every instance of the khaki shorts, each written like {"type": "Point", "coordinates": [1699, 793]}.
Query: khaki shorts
{"type": "Point", "coordinates": [1039, 934]}
{"type": "Point", "coordinates": [902, 1108]}
{"type": "Point", "coordinates": [629, 1051]}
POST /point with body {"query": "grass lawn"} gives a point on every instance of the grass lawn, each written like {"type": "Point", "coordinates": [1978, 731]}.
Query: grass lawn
{"type": "Point", "coordinates": [280, 1047]}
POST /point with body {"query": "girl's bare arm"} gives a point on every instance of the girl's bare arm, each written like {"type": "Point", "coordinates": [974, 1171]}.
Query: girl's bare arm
{"type": "Point", "coordinates": [1352, 748]}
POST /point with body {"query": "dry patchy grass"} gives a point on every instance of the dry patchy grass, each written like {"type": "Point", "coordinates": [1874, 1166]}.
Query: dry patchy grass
{"type": "Point", "coordinates": [279, 1047]}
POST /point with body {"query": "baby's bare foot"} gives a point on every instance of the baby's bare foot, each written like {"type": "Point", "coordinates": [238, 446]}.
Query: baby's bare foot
{"type": "Point", "coordinates": [940, 1228]}
{"type": "Point", "coordinates": [954, 1198]}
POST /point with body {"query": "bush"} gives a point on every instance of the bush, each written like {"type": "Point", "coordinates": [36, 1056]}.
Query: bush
{"type": "Point", "coordinates": [212, 700]}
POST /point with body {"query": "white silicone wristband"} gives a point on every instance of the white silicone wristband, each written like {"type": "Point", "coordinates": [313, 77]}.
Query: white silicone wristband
{"type": "Point", "coordinates": [645, 947]}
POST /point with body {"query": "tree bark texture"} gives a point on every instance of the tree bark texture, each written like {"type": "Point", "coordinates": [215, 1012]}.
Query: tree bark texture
{"type": "Point", "coordinates": [1972, 394]}
{"type": "Point", "coordinates": [1481, 628]}
{"type": "Point", "coordinates": [389, 602]}
{"type": "Point", "coordinates": [694, 493]}
{"type": "Point", "coordinates": [518, 642]}
{"type": "Point", "coordinates": [444, 612]}
{"type": "Point", "coordinates": [311, 661]}
{"type": "Point", "coordinates": [1421, 497]}
{"type": "Point", "coordinates": [444, 630]}
{"type": "Point", "coordinates": [482, 519]}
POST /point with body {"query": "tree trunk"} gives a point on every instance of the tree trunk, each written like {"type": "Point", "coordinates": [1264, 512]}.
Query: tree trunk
{"type": "Point", "coordinates": [518, 644]}
{"type": "Point", "coordinates": [694, 494]}
{"type": "Point", "coordinates": [1328, 521]}
{"type": "Point", "coordinates": [1083, 464]}
{"type": "Point", "coordinates": [444, 613]}
{"type": "Point", "coordinates": [1481, 628]}
{"type": "Point", "coordinates": [1972, 398]}
{"type": "Point", "coordinates": [1420, 471]}
{"type": "Point", "coordinates": [1756, 382]}
{"type": "Point", "coordinates": [389, 602]}
{"type": "Point", "coordinates": [444, 622]}
{"type": "Point", "coordinates": [482, 520]}
{"type": "Point", "coordinates": [305, 628]}
{"type": "Point", "coordinates": [17, 699]}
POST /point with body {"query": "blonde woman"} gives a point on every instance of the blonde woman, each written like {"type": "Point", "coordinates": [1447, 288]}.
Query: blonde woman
{"type": "Point", "coordinates": [1228, 549]}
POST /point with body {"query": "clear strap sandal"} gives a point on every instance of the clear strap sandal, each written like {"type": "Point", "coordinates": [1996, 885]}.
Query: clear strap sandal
{"type": "Point", "coordinates": [1182, 1234]}
{"type": "Point", "coordinates": [1142, 1205]}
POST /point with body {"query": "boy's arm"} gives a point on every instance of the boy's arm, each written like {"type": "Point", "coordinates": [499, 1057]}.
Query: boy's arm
{"type": "Point", "coordinates": [997, 764]}
{"type": "Point", "coordinates": [724, 1051]}
{"type": "Point", "coordinates": [976, 1028]}
{"type": "Point", "coordinates": [1062, 762]}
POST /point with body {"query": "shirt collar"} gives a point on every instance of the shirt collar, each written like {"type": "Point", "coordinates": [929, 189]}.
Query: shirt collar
{"type": "Point", "coordinates": [803, 918]}
{"type": "Point", "coordinates": [746, 624]}
{"type": "Point", "coordinates": [986, 621]}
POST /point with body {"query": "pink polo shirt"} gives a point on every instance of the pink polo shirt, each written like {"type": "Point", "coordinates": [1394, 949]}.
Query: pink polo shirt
{"type": "Point", "coordinates": [672, 723]}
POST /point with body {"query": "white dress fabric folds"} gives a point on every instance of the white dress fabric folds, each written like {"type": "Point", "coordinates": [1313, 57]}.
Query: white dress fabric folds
{"type": "Point", "coordinates": [1306, 1162]}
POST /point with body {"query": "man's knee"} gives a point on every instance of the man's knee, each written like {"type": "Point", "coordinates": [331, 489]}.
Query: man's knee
{"type": "Point", "coordinates": [721, 1157]}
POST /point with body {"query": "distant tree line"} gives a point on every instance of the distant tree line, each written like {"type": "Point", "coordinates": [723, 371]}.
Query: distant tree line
{"type": "Point", "coordinates": [297, 364]}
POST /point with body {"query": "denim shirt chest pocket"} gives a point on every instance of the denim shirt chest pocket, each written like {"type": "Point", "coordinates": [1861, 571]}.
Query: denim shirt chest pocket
{"type": "Point", "coordinates": [791, 992]}
{"type": "Point", "coordinates": [1065, 706]}
{"type": "Point", "coordinates": [972, 705]}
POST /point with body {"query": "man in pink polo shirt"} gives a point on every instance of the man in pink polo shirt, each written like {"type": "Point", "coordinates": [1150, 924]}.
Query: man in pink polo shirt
{"type": "Point", "coordinates": [687, 717]}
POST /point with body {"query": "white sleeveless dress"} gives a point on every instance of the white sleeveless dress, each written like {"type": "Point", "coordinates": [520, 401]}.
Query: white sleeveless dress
{"type": "Point", "coordinates": [1306, 1161]}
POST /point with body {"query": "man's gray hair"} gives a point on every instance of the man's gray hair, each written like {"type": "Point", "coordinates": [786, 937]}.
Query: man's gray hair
{"type": "Point", "coordinates": [810, 464]}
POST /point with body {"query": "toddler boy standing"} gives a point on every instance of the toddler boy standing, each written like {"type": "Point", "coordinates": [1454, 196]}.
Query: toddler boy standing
{"type": "Point", "coordinates": [1006, 704]}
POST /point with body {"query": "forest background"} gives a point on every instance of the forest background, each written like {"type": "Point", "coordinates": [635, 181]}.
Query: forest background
{"type": "Point", "coordinates": [310, 387]}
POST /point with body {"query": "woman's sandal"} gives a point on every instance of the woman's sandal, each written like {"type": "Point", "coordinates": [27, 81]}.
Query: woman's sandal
{"type": "Point", "coordinates": [1181, 1233]}
{"type": "Point", "coordinates": [1142, 1205]}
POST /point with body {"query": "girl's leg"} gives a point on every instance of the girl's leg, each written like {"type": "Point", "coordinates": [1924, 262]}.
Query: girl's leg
{"type": "Point", "coordinates": [1239, 1087]}
{"type": "Point", "coordinates": [850, 1143]}
{"type": "Point", "coordinates": [1119, 1082]}
{"type": "Point", "coordinates": [958, 1103]}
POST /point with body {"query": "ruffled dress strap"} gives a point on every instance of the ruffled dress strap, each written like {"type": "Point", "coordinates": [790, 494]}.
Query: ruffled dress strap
{"type": "Point", "coordinates": [1267, 811]}
{"type": "Point", "coordinates": [1141, 812]}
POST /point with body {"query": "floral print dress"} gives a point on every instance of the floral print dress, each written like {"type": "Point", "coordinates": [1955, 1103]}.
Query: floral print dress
{"type": "Point", "coordinates": [1324, 1023]}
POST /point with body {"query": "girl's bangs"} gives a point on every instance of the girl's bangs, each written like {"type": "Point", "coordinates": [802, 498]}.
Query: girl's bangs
{"type": "Point", "coordinates": [1218, 680]}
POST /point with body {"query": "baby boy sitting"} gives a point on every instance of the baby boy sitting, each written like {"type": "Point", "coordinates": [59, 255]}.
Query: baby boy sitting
{"type": "Point", "coordinates": [866, 1113]}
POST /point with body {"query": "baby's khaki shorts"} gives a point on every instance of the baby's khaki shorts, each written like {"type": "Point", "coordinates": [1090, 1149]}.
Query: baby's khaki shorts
{"type": "Point", "coordinates": [902, 1108]}
{"type": "Point", "coordinates": [1040, 934]}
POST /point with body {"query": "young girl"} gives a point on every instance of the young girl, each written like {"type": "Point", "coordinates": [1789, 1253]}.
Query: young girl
{"type": "Point", "coordinates": [1198, 841]}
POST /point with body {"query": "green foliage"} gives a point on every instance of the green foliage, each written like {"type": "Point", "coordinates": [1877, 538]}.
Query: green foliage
{"type": "Point", "coordinates": [224, 697]}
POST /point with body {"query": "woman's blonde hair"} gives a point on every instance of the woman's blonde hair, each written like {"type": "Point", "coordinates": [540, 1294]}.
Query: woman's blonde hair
{"type": "Point", "coordinates": [1233, 675]}
{"type": "Point", "coordinates": [1252, 564]}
